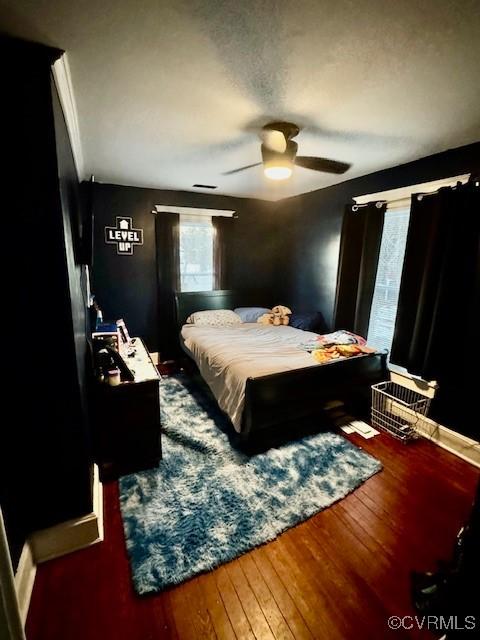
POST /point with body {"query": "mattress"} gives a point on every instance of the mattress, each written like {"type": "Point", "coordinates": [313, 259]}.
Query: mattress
{"type": "Point", "coordinates": [228, 356]}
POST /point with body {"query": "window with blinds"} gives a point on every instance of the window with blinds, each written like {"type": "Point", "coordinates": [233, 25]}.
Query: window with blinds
{"type": "Point", "coordinates": [196, 253]}
{"type": "Point", "coordinates": [389, 273]}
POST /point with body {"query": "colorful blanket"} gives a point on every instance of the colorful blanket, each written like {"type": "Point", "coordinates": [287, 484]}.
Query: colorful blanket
{"type": "Point", "coordinates": [336, 345]}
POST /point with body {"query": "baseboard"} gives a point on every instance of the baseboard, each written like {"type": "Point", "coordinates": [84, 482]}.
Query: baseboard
{"type": "Point", "coordinates": [57, 541]}
{"type": "Point", "coordinates": [462, 446]}
{"type": "Point", "coordinates": [456, 443]}
{"type": "Point", "coordinates": [155, 356]}
{"type": "Point", "coordinates": [72, 535]}
{"type": "Point", "coordinates": [24, 580]}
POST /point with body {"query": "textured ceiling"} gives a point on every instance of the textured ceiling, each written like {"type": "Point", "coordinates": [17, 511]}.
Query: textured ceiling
{"type": "Point", "coordinates": [171, 93]}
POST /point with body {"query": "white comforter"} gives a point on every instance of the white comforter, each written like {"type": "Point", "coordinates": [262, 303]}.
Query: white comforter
{"type": "Point", "coordinates": [227, 356]}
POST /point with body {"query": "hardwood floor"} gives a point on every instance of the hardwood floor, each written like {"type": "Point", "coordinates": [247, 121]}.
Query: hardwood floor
{"type": "Point", "coordinates": [339, 575]}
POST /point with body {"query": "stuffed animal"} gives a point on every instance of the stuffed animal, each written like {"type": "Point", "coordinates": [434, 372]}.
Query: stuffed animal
{"type": "Point", "coordinates": [277, 316]}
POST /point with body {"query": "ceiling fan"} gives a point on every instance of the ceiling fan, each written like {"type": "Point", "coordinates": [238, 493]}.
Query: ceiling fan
{"type": "Point", "coordinates": [279, 154]}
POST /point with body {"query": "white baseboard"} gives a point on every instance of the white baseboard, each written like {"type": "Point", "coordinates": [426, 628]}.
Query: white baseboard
{"type": "Point", "coordinates": [24, 580]}
{"type": "Point", "coordinates": [57, 541]}
{"type": "Point", "coordinates": [155, 356]}
{"type": "Point", "coordinates": [456, 443]}
{"type": "Point", "coordinates": [72, 535]}
{"type": "Point", "coordinates": [460, 445]}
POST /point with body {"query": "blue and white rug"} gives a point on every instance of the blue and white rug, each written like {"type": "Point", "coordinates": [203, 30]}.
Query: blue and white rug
{"type": "Point", "coordinates": [208, 503]}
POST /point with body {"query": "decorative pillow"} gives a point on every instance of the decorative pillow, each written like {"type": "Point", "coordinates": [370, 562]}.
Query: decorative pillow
{"type": "Point", "coordinates": [214, 318]}
{"type": "Point", "coordinates": [308, 322]}
{"type": "Point", "coordinates": [251, 314]}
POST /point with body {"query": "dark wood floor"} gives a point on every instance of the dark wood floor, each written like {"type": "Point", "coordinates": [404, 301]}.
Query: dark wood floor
{"type": "Point", "coordinates": [339, 575]}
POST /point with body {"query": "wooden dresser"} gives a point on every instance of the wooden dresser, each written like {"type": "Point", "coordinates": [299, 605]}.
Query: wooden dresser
{"type": "Point", "coordinates": [127, 418]}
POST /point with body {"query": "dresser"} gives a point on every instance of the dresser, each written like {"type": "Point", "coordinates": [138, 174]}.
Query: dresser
{"type": "Point", "coordinates": [127, 429]}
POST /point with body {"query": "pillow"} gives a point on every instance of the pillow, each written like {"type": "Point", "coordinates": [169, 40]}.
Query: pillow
{"type": "Point", "coordinates": [214, 318]}
{"type": "Point", "coordinates": [308, 322]}
{"type": "Point", "coordinates": [251, 314]}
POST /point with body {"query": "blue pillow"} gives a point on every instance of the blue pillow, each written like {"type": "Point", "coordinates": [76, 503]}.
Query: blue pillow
{"type": "Point", "coordinates": [251, 314]}
{"type": "Point", "coordinates": [308, 322]}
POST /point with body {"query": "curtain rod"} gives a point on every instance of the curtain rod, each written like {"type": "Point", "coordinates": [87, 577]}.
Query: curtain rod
{"type": "Point", "coordinates": [378, 203]}
{"type": "Point", "coordinates": [404, 193]}
{"type": "Point", "coordinates": [397, 203]}
{"type": "Point", "coordinates": [194, 211]}
{"type": "Point", "coordinates": [421, 195]}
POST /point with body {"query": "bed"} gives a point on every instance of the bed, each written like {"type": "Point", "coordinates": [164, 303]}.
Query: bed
{"type": "Point", "coordinates": [258, 375]}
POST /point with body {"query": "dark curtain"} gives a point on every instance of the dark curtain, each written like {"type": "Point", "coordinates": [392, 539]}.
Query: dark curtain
{"type": "Point", "coordinates": [168, 273]}
{"type": "Point", "coordinates": [222, 228]}
{"type": "Point", "coordinates": [438, 307]}
{"type": "Point", "coordinates": [357, 268]}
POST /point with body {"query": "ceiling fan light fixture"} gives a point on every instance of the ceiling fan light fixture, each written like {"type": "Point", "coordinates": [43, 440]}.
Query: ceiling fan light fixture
{"type": "Point", "coordinates": [279, 154]}
{"type": "Point", "coordinates": [278, 173]}
{"type": "Point", "coordinates": [278, 169]}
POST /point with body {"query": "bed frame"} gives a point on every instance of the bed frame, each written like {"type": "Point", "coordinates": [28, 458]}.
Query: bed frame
{"type": "Point", "coordinates": [292, 396]}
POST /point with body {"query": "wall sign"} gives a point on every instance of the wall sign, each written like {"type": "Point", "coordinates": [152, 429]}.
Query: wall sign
{"type": "Point", "coordinates": [124, 236]}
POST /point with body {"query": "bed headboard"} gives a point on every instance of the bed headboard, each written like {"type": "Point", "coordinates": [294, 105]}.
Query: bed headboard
{"type": "Point", "coordinates": [189, 302]}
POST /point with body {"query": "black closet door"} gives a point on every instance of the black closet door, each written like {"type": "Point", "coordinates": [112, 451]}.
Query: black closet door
{"type": "Point", "coordinates": [46, 465]}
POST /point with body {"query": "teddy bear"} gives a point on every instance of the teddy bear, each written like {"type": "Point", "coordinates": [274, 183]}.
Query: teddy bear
{"type": "Point", "coordinates": [277, 316]}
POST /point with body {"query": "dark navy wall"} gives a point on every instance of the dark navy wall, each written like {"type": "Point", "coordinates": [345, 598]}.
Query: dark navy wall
{"type": "Point", "coordinates": [126, 286]}
{"type": "Point", "coordinates": [288, 248]}
{"type": "Point", "coordinates": [312, 223]}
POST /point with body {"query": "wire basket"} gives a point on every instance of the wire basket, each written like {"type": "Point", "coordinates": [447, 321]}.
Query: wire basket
{"type": "Point", "coordinates": [397, 409]}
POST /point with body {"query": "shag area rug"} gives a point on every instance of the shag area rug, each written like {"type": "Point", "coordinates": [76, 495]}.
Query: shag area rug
{"type": "Point", "coordinates": [208, 503]}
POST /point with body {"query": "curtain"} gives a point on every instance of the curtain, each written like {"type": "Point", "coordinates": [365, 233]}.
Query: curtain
{"type": "Point", "coordinates": [438, 307]}
{"type": "Point", "coordinates": [168, 280]}
{"type": "Point", "coordinates": [357, 268]}
{"type": "Point", "coordinates": [222, 228]}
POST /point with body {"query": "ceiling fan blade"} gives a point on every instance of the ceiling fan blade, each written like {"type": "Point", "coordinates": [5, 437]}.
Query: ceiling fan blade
{"type": "Point", "coordinates": [274, 140]}
{"type": "Point", "coordinates": [248, 166]}
{"type": "Point", "coordinates": [322, 164]}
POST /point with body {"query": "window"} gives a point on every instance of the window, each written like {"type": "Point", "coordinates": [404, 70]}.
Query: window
{"type": "Point", "coordinates": [196, 253]}
{"type": "Point", "coordinates": [392, 252]}
{"type": "Point", "coordinates": [387, 283]}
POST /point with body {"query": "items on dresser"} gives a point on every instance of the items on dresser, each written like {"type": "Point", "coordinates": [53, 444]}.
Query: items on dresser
{"type": "Point", "coordinates": [112, 334]}
{"type": "Point", "coordinates": [108, 358]}
{"type": "Point", "coordinates": [105, 339]}
{"type": "Point", "coordinates": [123, 332]}
{"type": "Point", "coordinates": [126, 410]}
{"type": "Point", "coordinates": [98, 314]}
{"type": "Point", "coordinates": [114, 377]}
